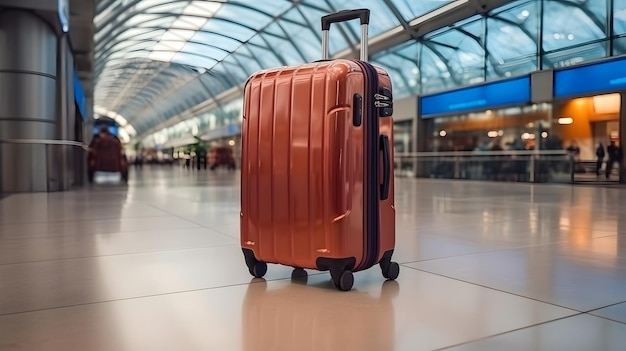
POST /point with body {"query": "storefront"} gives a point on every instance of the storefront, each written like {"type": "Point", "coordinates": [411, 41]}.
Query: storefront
{"type": "Point", "coordinates": [589, 106]}
{"type": "Point", "coordinates": [494, 116]}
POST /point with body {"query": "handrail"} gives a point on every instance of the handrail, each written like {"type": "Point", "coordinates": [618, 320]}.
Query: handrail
{"type": "Point", "coordinates": [483, 153]}
{"type": "Point", "coordinates": [46, 142]}
{"type": "Point", "coordinates": [461, 164]}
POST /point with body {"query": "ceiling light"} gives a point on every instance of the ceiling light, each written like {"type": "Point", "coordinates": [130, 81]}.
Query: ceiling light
{"type": "Point", "coordinates": [443, 133]}
{"type": "Point", "coordinates": [492, 133]}
{"type": "Point", "coordinates": [566, 120]}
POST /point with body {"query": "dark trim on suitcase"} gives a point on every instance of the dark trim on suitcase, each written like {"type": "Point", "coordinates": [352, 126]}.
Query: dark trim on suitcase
{"type": "Point", "coordinates": [335, 264]}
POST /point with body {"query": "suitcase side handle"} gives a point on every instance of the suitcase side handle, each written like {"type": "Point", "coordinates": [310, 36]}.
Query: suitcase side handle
{"type": "Point", "coordinates": [342, 16]}
{"type": "Point", "coordinates": [384, 187]}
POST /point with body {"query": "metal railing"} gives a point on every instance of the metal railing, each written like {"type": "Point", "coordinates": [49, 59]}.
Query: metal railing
{"type": "Point", "coordinates": [44, 165]}
{"type": "Point", "coordinates": [46, 142]}
{"type": "Point", "coordinates": [535, 166]}
{"type": "Point", "coordinates": [588, 172]}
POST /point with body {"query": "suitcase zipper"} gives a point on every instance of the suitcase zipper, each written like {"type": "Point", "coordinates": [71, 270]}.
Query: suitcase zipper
{"type": "Point", "coordinates": [372, 230]}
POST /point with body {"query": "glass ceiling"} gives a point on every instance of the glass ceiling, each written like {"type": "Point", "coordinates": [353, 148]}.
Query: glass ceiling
{"type": "Point", "coordinates": [156, 59]}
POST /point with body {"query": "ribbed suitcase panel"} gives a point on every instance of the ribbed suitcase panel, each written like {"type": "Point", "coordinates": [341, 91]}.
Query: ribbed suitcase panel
{"type": "Point", "coordinates": [282, 222]}
{"type": "Point", "coordinates": [300, 168]}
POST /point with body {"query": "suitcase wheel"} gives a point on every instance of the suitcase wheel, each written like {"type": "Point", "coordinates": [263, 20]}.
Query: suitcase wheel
{"type": "Point", "coordinates": [343, 280]}
{"type": "Point", "coordinates": [392, 271]}
{"type": "Point", "coordinates": [299, 275]}
{"type": "Point", "coordinates": [259, 269]}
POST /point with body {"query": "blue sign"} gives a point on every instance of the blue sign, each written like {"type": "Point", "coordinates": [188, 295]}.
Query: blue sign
{"type": "Point", "coordinates": [502, 93]}
{"type": "Point", "coordinates": [113, 130]}
{"type": "Point", "coordinates": [79, 96]}
{"type": "Point", "coordinates": [590, 79]}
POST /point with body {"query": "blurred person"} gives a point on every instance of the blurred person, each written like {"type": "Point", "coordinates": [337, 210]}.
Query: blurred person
{"type": "Point", "coordinates": [574, 150]}
{"type": "Point", "coordinates": [600, 155]}
{"type": "Point", "coordinates": [615, 155]}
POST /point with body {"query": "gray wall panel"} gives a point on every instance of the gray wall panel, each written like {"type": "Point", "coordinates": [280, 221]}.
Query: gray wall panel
{"type": "Point", "coordinates": [23, 168]}
{"type": "Point", "coordinates": [26, 130]}
{"type": "Point", "coordinates": [405, 109]}
{"type": "Point", "coordinates": [26, 43]}
{"type": "Point", "coordinates": [27, 96]}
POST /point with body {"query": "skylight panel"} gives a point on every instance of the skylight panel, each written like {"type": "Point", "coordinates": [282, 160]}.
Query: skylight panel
{"type": "Point", "coordinates": [202, 8]}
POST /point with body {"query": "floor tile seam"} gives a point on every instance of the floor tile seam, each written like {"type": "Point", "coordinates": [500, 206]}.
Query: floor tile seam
{"type": "Point", "coordinates": [510, 331]}
{"type": "Point", "coordinates": [190, 221]}
{"type": "Point", "coordinates": [111, 233]}
{"type": "Point", "coordinates": [486, 252]}
{"type": "Point", "coordinates": [607, 318]}
{"type": "Point", "coordinates": [83, 236]}
{"type": "Point", "coordinates": [607, 236]}
{"type": "Point", "coordinates": [120, 254]}
{"type": "Point", "coordinates": [195, 227]}
{"type": "Point", "coordinates": [603, 307]}
{"type": "Point", "coordinates": [81, 221]}
{"type": "Point", "coordinates": [253, 281]}
{"type": "Point", "coordinates": [590, 312]}
{"type": "Point", "coordinates": [496, 289]}
{"type": "Point", "coordinates": [224, 233]}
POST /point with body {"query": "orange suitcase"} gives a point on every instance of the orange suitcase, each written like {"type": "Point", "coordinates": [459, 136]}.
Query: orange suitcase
{"type": "Point", "coordinates": [317, 186]}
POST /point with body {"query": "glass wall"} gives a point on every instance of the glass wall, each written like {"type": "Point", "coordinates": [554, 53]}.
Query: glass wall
{"type": "Point", "coordinates": [521, 37]}
{"type": "Point", "coordinates": [619, 27]}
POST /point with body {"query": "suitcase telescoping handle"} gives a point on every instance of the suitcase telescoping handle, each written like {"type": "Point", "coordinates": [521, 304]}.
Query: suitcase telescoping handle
{"type": "Point", "coordinates": [342, 16]}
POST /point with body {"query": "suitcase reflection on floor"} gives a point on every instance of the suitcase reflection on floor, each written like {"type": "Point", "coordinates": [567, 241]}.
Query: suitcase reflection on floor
{"type": "Point", "coordinates": [296, 317]}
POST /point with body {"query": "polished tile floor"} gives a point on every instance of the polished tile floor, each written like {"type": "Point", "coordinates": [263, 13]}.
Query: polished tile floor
{"type": "Point", "coordinates": [156, 265]}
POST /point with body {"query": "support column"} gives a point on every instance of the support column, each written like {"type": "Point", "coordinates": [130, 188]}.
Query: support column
{"type": "Point", "coordinates": [28, 74]}
{"type": "Point", "coordinates": [60, 161]}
